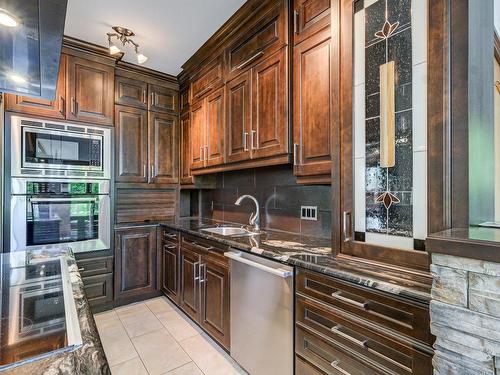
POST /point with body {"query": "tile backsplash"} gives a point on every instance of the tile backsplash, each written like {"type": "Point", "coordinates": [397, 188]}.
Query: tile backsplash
{"type": "Point", "coordinates": [280, 199]}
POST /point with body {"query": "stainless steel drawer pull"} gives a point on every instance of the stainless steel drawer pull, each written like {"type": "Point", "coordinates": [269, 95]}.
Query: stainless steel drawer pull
{"type": "Point", "coordinates": [337, 331]}
{"type": "Point", "coordinates": [336, 365]}
{"type": "Point", "coordinates": [203, 271]}
{"type": "Point", "coordinates": [170, 247]}
{"type": "Point", "coordinates": [81, 269]}
{"type": "Point", "coordinates": [245, 146]}
{"type": "Point", "coordinates": [170, 235]}
{"type": "Point", "coordinates": [361, 305]}
{"type": "Point", "coordinates": [195, 267]}
{"type": "Point", "coordinates": [245, 63]}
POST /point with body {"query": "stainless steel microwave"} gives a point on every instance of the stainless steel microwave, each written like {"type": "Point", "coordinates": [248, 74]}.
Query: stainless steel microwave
{"type": "Point", "coordinates": [44, 148]}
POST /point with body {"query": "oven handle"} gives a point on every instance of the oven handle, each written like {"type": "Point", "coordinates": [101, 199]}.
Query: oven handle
{"type": "Point", "coordinates": [34, 200]}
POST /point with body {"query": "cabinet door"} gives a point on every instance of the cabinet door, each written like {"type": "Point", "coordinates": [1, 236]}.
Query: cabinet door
{"type": "Point", "coordinates": [163, 99]}
{"type": "Point", "coordinates": [312, 106]}
{"type": "Point", "coordinates": [198, 124]}
{"type": "Point", "coordinates": [170, 271]}
{"type": "Point", "coordinates": [186, 177]}
{"type": "Point", "coordinates": [269, 134]}
{"type": "Point", "coordinates": [163, 148]}
{"type": "Point", "coordinates": [214, 285]}
{"type": "Point", "coordinates": [135, 261]}
{"type": "Point", "coordinates": [98, 288]}
{"type": "Point", "coordinates": [131, 92]}
{"type": "Point", "coordinates": [310, 16]}
{"type": "Point", "coordinates": [41, 107]}
{"type": "Point", "coordinates": [238, 92]}
{"type": "Point", "coordinates": [215, 128]}
{"type": "Point", "coordinates": [190, 274]}
{"type": "Point", "coordinates": [131, 144]}
{"type": "Point", "coordinates": [90, 91]}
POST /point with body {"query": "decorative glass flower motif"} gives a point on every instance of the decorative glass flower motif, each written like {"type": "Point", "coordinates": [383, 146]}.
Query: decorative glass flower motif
{"type": "Point", "coordinates": [387, 30]}
{"type": "Point", "coordinates": [388, 199]}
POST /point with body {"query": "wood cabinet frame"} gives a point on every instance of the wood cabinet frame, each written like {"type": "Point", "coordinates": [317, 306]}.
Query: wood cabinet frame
{"type": "Point", "coordinates": [342, 159]}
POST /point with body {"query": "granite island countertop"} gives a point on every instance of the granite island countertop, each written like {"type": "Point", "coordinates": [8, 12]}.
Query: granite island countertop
{"type": "Point", "coordinates": [47, 338]}
{"type": "Point", "coordinates": [315, 254]}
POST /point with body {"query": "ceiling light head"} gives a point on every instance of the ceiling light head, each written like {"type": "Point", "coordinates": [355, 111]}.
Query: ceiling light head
{"type": "Point", "coordinates": [141, 59]}
{"type": "Point", "coordinates": [124, 35]}
{"type": "Point", "coordinates": [7, 19]}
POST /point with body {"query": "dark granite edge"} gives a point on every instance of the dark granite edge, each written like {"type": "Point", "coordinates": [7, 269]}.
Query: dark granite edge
{"type": "Point", "coordinates": [87, 358]}
{"type": "Point", "coordinates": [357, 278]}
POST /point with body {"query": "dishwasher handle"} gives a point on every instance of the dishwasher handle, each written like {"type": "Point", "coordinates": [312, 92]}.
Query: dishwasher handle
{"type": "Point", "coordinates": [275, 271]}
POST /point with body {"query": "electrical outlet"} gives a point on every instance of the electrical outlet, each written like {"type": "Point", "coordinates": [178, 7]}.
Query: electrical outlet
{"type": "Point", "coordinates": [309, 213]}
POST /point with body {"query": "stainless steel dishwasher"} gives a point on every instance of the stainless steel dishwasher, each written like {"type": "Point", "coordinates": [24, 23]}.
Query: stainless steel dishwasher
{"type": "Point", "coordinates": [261, 314]}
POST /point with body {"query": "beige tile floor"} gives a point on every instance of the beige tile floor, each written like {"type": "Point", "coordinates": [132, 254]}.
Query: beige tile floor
{"type": "Point", "coordinates": [155, 338]}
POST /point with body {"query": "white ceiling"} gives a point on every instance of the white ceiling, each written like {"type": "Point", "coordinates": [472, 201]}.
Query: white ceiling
{"type": "Point", "coordinates": [168, 31]}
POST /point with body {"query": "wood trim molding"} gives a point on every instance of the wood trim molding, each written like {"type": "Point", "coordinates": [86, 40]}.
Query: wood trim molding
{"type": "Point", "coordinates": [90, 51]}
{"type": "Point", "coordinates": [149, 74]}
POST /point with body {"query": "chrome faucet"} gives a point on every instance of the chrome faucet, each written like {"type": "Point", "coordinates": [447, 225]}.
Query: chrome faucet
{"type": "Point", "coordinates": [254, 217]}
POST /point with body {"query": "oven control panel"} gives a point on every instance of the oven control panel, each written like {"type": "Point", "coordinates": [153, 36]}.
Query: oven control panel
{"type": "Point", "coordinates": [70, 188]}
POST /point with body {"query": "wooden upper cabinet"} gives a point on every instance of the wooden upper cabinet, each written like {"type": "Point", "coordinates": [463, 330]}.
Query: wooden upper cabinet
{"type": "Point", "coordinates": [198, 117]}
{"type": "Point", "coordinates": [135, 261]}
{"type": "Point", "coordinates": [208, 78]}
{"type": "Point", "coordinates": [163, 99]}
{"type": "Point", "coordinates": [163, 148]}
{"type": "Point", "coordinates": [269, 134]}
{"type": "Point", "coordinates": [131, 144]}
{"type": "Point", "coordinates": [215, 128]}
{"type": "Point", "coordinates": [309, 17]}
{"type": "Point", "coordinates": [265, 34]}
{"type": "Point", "coordinates": [89, 91]}
{"type": "Point", "coordinates": [312, 105]}
{"type": "Point", "coordinates": [41, 107]}
{"type": "Point", "coordinates": [238, 121]}
{"type": "Point", "coordinates": [185, 154]}
{"type": "Point", "coordinates": [184, 99]}
{"type": "Point", "coordinates": [131, 92]}
{"type": "Point", "coordinates": [207, 131]}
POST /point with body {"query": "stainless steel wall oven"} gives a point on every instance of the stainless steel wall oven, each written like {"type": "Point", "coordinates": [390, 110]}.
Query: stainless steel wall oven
{"type": "Point", "coordinates": [51, 211]}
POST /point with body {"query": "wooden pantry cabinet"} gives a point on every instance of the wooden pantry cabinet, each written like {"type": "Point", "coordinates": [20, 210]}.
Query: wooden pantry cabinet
{"type": "Point", "coordinates": [147, 130]}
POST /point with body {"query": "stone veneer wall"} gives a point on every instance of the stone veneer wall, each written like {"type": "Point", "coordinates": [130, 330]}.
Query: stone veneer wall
{"type": "Point", "coordinates": [465, 316]}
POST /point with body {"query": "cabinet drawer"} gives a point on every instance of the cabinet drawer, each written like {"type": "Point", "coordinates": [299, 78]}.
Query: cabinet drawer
{"type": "Point", "coordinates": [95, 266]}
{"type": "Point", "coordinates": [131, 92]}
{"type": "Point", "coordinates": [305, 368]}
{"type": "Point", "coordinates": [331, 359]}
{"type": "Point", "coordinates": [209, 78]}
{"type": "Point", "coordinates": [390, 354]}
{"type": "Point", "coordinates": [402, 316]}
{"type": "Point", "coordinates": [263, 38]}
{"type": "Point", "coordinates": [98, 289]}
{"type": "Point", "coordinates": [171, 236]}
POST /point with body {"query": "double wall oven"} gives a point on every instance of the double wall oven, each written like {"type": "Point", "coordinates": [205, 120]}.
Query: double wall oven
{"type": "Point", "coordinates": [60, 185]}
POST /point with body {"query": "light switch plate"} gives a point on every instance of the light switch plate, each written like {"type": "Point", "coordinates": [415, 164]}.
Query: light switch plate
{"type": "Point", "coordinates": [309, 213]}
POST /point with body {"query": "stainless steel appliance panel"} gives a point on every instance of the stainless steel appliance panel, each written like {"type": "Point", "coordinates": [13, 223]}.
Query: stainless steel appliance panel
{"type": "Point", "coordinates": [261, 314]}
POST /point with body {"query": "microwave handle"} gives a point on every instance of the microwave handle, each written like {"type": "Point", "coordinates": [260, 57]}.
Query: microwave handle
{"type": "Point", "coordinates": [34, 200]}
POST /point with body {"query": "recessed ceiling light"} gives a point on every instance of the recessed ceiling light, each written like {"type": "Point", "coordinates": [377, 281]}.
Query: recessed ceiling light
{"type": "Point", "coordinates": [7, 19]}
{"type": "Point", "coordinates": [17, 78]}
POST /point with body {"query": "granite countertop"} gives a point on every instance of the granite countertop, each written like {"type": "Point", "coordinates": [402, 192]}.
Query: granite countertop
{"type": "Point", "coordinates": [45, 343]}
{"type": "Point", "coordinates": [314, 254]}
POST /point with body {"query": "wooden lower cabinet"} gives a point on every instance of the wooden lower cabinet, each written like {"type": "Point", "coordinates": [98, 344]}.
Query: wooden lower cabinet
{"type": "Point", "coordinates": [97, 277]}
{"type": "Point", "coordinates": [135, 261]}
{"type": "Point", "coordinates": [196, 277]}
{"type": "Point", "coordinates": [330, 338]}
{"type": "Point", "coordinates": [214, 289]}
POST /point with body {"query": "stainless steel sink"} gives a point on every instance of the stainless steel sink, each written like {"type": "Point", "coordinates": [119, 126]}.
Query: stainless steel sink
{"type": "Point", "coordinates": [229, 231]}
